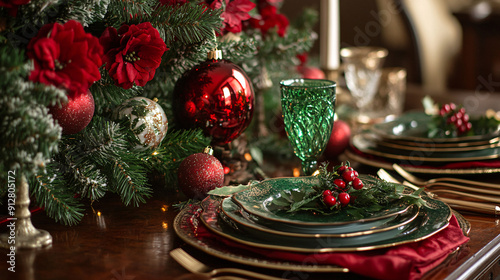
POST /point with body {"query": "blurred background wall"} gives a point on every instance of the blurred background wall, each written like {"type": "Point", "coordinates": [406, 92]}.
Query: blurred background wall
{"type": "Point", "coordinates": [442, 43]}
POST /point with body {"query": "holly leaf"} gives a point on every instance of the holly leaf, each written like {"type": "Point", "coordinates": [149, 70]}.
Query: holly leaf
{"type": "Point", "coordinates": [305, 202]}
{"type": "Point", "coordinates": [228, 190]}
{"type": "Point", "coordinates": [282, 201]}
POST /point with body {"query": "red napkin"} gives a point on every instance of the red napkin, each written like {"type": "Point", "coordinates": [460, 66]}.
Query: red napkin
{"type": "Point", "coordinates": [407, 261]}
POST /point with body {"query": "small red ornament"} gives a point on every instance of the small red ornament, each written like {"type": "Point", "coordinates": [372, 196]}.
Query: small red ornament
{"type": "Point", "coordinates": [216, 96]}
{"type": "Point", "coordinates": [76, 114]}
{"type": "Point", "coordinates": [311, 72]}
{"type": "Point", "coordinates": [200, 173]}
{"type": "Point", "coordinates": [339, 140]}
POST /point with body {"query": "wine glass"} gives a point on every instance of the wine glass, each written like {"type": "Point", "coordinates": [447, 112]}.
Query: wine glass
{"type": "Point", "coordinates": [308, 107]}
{"type": "Point", "coordinates": [362, 70]}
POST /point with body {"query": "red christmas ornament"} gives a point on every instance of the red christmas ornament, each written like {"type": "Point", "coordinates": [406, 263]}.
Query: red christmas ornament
{"type": "Point", "coordinates": [76, 114]}
{"type": "Point", "coordinates": [311, 72]}
{"type": "Point", "coordinates": [339, 140]}
{"type": "Point", "coordinates": [216, 96]}
{"type": "Point", "coordinates": [200, 173]}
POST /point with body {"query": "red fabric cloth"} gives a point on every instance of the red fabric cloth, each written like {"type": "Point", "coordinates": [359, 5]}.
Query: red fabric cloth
{"type": "Point", "coordinates": [407, 261]}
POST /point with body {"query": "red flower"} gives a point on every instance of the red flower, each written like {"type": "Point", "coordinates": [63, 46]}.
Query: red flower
{"type": "Point", "coordinates": [269, 18]}
{"type": "Point", "coordinates": [13, 5]}
{"type": "Point", "coordinates": [132, 53]}
{"type": "Point", "coordinates": [236, 11]}
{"type": "Point", "coordinates": [65, 56]}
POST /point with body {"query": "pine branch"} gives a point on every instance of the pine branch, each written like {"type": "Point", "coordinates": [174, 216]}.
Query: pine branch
{"type": "Point", "coordinates": [51, 193]}
{"type": "Point", "coordinates": [82, 175]}
{"type": "Point", "coordinates": [131, 180]}
{"type": "Point", "coordinates": [189, 23]}
{"type": "Point", "coordinates": [29, 136]}
{"type": "Point", "coordinates": [107, 96]}
{"type": "Point", "coordinates": [110, 146]}
{"type": "Point", "coordinates": [129, 12]}
{"type": "Point", "coordinates": [239, 51]}
{"type": "Point", "coordinates": [30, 18]}
{"type": "Point", "coordinates": [175, 62]}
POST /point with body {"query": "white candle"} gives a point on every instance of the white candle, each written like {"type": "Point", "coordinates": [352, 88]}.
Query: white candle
{"type": "Point", "coordinates": [329, 34]}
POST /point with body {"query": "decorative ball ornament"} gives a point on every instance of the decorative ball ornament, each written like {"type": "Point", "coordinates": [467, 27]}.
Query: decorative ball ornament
{"type": "Point", "coordinates": [147, 120]}
{"type": "Point", "coordinates": [76, 114]}
{"type": "Point", "coordinates": [311, 72]}
{"type": "Point", "coordinates": [339, 140]}
{"type": "Point", "coordinates": [216, 96]}
{"type": "Point", "coordinates": [200, 173]}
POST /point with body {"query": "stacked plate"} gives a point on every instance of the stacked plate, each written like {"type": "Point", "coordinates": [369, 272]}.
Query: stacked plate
{"type": "Point", "coordinates": [247, 227]}
{"type": "Point", "coordinates": [404, 141]}
{"type": "Point", "coordinates": [250, 218]}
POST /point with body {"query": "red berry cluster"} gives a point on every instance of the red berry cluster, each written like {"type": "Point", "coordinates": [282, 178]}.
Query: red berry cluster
{"type": "Point", "coordinates": [348, 178]}
{"type": "Point", "coordinates": [456, 117]}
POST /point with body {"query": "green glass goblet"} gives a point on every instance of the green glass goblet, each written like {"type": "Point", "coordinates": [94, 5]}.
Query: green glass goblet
{"type": "Point", "coordinates": [308, 112]}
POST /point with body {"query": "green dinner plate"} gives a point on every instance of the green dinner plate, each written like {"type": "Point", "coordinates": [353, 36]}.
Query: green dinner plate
{"type": "Point", "coordinates": [412, 126]}
{"type": "Point", "coordinates": [365, 143]}
{"type": "Point", "coordinates": [257, 200]}
{"type": "Point", "coordinates": [431, 219]}
{"type": "Point", "coordinates": [186, 226]}
{"type": "Point", "coordinates": [239, 219]}
{"type": "Point", "coordinates": [431, 147]}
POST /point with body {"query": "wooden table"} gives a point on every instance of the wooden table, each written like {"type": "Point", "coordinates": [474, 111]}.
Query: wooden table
{"type": "Point", "coordinates": [117, 242]}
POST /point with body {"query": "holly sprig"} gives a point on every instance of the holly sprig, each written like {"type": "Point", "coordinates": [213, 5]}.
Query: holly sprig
{"type": "Point", "coordinates": [374, 196]}
{"type": "Point", "coordinates": [450, 120]}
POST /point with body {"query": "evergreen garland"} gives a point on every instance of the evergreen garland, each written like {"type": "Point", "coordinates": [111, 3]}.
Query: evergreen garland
{"type": "Point", "coordinates": [67, 171]}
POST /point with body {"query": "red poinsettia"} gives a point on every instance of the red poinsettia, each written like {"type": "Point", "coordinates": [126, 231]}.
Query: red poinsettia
{"type": "Point", "coordinates": [269, 18]}
{"type": "Point", "coordinates": [13, 5]}
{"type": "Point", "coordinates": [132, 53]}
{"type": "Point", "coordinates": [235, 13]}
{"type": "Point", "coordinates": [65, 56]}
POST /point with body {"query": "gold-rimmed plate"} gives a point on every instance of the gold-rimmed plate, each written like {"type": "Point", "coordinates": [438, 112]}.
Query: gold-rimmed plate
{"type": "Point", "coordinates": [239, 219]}
{"type": "Point", "coordinates": [430, 148]}
{"type": "Point", "coordinates": [186, 225]}
{"type": "Point", "coordinates": [367, 145]}
{"type": "Point", "coordinates": [431, 219]}
{"type": "Point", "coordinates": [258, 200]}
{"type": "Point", "coordinates": [412, 126]}
{"type": "Point", "coordinates": [437, 144]}
{"type": "Point", "coordinates": [417, 166]}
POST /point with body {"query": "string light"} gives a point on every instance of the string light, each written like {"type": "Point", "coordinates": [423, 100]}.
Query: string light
{"type": "Point", "coordinates": [248, 156]}
{"type": "Point", "coordinates": [296, 172]}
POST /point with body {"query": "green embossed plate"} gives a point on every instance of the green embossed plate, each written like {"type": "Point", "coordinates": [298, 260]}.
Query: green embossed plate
{"type": "Point", "coordinates": [186, 226]}
{"type": "Point", "coordinates": [412, 126]}
{"type": "Point", "coordinates": [240, 219]}
{"type": "Point", "coordinates": [365, 143]}
{"type": "Point", "coordinates": [430, 220]}
{"type": "Point", "coordinates": [257, 200]}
